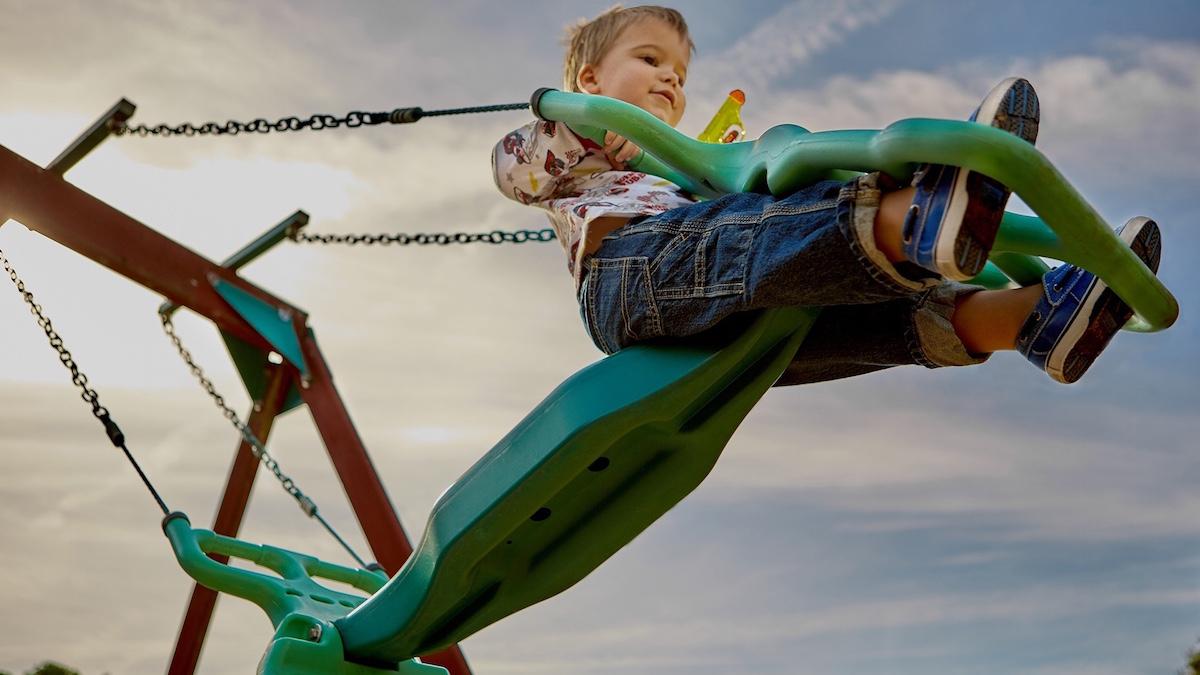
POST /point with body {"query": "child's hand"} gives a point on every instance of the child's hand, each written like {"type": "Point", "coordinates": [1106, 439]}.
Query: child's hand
{"type": "Point", "coordinates": [619, 150]}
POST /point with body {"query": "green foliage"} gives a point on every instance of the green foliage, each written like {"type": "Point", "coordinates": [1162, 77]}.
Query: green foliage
{"type": "Point", "coordinates": [52, 668]}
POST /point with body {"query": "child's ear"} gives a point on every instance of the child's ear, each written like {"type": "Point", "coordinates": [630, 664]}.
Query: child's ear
{"type": "Point", "coordinates": [586, 81]}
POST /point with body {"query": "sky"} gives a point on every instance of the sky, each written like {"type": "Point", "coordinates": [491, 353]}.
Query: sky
{"type": "Point", "coordinates": [971, 520]}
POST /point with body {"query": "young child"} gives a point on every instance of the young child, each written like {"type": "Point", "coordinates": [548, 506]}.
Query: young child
{"type": "Point", "coordinates": [884, 261]}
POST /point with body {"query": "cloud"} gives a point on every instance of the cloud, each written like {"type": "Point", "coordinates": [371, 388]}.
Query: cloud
{"type": "Point", "coordinates": [929, 625]}
{"type": "Point", "coordinates": [774, 48]}
{"type": "Point", "coordinates": [1134, 101]}
{"type": "Point", "coordinates": [780, 43]}
{"type": "Point", "coordinates": [1076, 473]}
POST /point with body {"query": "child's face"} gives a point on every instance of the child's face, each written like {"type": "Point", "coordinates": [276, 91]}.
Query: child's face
{"type": "Point", "coordinates": [646, 66]}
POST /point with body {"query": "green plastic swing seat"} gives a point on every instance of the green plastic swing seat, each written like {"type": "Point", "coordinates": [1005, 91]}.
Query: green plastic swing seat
{"type": "Point", "coordinates": [600, 459]}
{"type": "Point", "coordinates": [622, 441]}
{"type": "Point", "coordinates": [604, 456]}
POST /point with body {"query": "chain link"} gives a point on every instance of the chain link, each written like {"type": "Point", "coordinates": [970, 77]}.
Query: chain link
{"type": "Point", "coordinates": [80, 380]}
{"type": "Point", "coordinates": [89, 395]}
{"type": "Point", "coordinates": [256, 446]}
{"type": "Point", "coordinates": [422, 239]}
{"type": "Point", "coordinates": [351, 120]}
{"type": "Point", "coordinates": [115, 434]}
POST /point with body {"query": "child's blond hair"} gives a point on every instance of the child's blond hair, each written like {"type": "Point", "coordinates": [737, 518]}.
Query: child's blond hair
{"type": "Point", "coordinates": [587, 41]}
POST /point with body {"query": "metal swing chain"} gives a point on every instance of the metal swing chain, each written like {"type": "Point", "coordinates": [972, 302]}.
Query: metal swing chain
{"type": "Point", "coordinates": [80, 380]}
{"type": "Point", "coordinates": [422, 239]}
{"type": "Point", "coordinates": [352, 120]}
{"type": "Point", "coordinates": [256, 447]}
{"type": "Point", "coordinates": [315, 122]}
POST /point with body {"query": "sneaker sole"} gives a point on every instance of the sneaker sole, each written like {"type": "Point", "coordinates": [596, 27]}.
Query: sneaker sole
{"type": "Point", "coordinates": [1107, 312]}
{"type": "Point", "coordinates": [1012, 106]}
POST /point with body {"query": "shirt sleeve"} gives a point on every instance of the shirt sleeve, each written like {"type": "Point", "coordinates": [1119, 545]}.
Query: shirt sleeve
{"type": "Point", "coordinates": [533, 164]}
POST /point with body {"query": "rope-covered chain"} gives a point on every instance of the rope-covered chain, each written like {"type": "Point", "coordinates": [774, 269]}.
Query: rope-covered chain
{"type": "Point", "coordinates": [421, 239]}
{"type": "Point", "coordinates": [89, 395]}
{"type": "Point", "coordinates": [316, 122]}
{"type": "Point", "coordinates": [256, 447]}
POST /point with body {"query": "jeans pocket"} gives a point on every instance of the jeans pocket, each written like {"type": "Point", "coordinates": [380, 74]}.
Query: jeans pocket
{"type": "Point", "coordinates": [705, 263]}
{"type": "Point", "coordinates": [620, 303]}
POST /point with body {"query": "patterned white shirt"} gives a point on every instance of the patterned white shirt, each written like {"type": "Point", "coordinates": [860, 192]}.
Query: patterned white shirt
{"type": "Point", "coordinates": [547, 165]}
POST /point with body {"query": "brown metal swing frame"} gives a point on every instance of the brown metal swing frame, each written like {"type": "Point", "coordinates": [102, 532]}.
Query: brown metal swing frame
{"type": "Point", "coordinates": [43, 201]}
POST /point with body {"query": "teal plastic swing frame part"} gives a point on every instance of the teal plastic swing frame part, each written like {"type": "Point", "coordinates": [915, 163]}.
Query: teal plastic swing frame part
{"type": "Point", "coordinates": [622, 441]}
{"type": "Point", "coordinates": [787, 157]}
{"type": "Point", "coordinates": [301, 610]}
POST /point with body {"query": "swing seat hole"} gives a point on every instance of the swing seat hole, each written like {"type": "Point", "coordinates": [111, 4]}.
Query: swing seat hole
{"type": "Point", "coordinates": [600, 464]}
{"type": "Point", "coordinates": [292, 591]}
{"type": "Point", "coordinates": [540, 515]}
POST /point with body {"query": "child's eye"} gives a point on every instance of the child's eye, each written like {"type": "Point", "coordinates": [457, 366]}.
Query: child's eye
{"type": "Point", "coordinates": [651, 60]}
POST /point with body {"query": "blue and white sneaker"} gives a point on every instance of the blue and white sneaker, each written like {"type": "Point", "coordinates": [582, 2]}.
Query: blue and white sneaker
{"type": "Point", "coordinates": [955, 214]}
{"type": "Point", "coordinates": [1079, 314]}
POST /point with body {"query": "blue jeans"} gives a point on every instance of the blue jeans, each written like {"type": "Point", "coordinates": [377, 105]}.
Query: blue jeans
{"type": "Point", "coordinates": [682, 271]}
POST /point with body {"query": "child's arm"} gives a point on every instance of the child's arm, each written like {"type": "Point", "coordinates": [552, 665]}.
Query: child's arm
{"type": "Point", "coordinates": [533, 164]}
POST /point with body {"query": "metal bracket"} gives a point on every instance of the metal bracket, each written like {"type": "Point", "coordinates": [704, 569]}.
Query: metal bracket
{"type": "Point", "coordinates": [273, 323]}
{"type": "Point", "coordinates": [100, 130]}
{"type": "Point", "coordinates": [286, 228]}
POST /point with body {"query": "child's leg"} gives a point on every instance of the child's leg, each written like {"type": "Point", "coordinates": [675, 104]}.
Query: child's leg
{"type": "Point", "coordinates": [1061, 325]}
{"type": "Point", "coordinates": [918, 330]}
{"type": "Point", "coordinates": [952, 324]}
{"type": "Point", "coordinates": [990, 321]}
{"type": "Point", "coordinates": [683, 271]}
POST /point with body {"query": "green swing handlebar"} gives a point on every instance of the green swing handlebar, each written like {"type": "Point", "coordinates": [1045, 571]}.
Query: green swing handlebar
{"type": "Point", "coordinates": [302, 611]}
{"type": "Point", "coordinates": [293, 590]}
{"type": "Point", "coordinates": [787, 157]}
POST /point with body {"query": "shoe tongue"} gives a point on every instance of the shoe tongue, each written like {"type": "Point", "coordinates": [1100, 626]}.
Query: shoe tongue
{"type": "Point", "coordinates": [1059, 279]}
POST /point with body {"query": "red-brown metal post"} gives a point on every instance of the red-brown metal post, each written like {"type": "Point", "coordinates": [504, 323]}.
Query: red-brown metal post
{"type": "Point", "coordinates": [229, 517]}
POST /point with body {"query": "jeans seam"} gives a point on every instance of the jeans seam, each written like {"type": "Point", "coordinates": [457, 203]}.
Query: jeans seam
{"type": "Point", "coordinates": [713, 291]}
{"type": "Point", "coordinates": [624, 300]}
{"type": "Point", "coordinates": [654, 316]}
{"type": "Point", "coordinates": [702, 226]}
{"type": "Point", "coordinates": [593, 324]}
{"type": "Point", "coordinates": [657, 262]}
{"type": "Point", "coordinates": [790, 210]}
{"type": "Point", "coordinates": [912, 335]}
{"type": "Point", "coordinates": [846, 215]}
